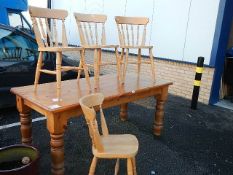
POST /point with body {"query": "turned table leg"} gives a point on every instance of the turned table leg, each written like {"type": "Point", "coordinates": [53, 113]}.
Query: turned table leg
{"type": "Point", "coordinates": [56, 126]}
{"type": "Point", "coordinates": [57, 153]}
{"type": "Point", "coordinates": [123, 111]}
{"type": "Point", "coordinates": [25, 120]}
{"type": "Point", "coordinates": [159, 114]}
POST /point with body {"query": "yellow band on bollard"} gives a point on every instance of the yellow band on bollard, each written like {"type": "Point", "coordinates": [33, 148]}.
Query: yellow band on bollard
{"type": "Point", "coordinates": [199, 69]}
{"type": "Point", "coordinates": [197, 83]}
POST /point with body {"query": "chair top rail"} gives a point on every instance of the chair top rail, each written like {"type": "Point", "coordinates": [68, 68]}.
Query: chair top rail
{"type": "Point", "coordinates": [47, 13]}
{"type": "Point", "coordinates": [96, 18]}
{"type": "Point", "coordinates": [131, 20]}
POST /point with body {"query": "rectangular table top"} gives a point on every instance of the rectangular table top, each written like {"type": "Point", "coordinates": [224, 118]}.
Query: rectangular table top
{"type": "Point", "coordinates": [73, 90]}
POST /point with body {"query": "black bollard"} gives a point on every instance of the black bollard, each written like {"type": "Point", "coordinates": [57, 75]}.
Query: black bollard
{"type": "Point", "coordinates": [197, 82]}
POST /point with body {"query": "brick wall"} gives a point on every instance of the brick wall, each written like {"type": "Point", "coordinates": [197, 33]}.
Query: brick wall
{"type": "Point", "coordinates": [181, 74]}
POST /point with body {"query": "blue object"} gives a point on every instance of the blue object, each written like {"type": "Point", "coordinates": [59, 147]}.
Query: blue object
{"type": "Point", "coordinates": [12, 5]}
{"type": "Point", "coordinates": [221, 37]}
{"type": "Point", "coordinates": [229, 52]}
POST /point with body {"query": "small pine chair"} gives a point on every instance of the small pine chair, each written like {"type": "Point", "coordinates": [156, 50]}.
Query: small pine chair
{"type": "Point", "coordinates": [107, 146]}
{"type": "Point", "coordinates": [47, 40]}
{"type": "Point", "coordinates": [132, 35]}
{"type": "Point", "coordinates": [91, 29]}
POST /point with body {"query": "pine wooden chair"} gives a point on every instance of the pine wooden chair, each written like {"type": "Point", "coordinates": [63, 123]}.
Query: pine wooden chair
{"type": "Point", "coordinates": [106, 145]}
{"type": "Point", "coordinates": [91, 29]}
{"type": "Point", "coordinates": [47, 40]}
{"type": "Point", "coordinates": [132, 35]}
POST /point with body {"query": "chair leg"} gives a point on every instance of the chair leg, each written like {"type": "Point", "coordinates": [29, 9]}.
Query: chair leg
{"type": "Point", "coordinates": [93, 166]}
{"type": "Point", "coordinates": [58, 73]}
{"type": "Point", "coordinates": [129, 167]}
{"type": "Point", "coordinates": [117, 167]}
{"type": "Point", "coordinates": [118, 65]}
{"type": "Point", "coordinates": [85, 68]}
{"type": "Point", "coordinates": [99, 62]}
{"type": "Point", "coordinates": [95, 68]}
{"type": "Point", "coordinates": [139, 61]}
{"type": "Point", "coordinates": [38, 68]}
{"type": "Point", "coordinates": [125, 64]}
{"type": "Point", "coordinates": [80, 66]}
{"type": "Point", "coordinates": [152, 64]}
{"type": "Point", "coordinates": [134, 165]}
{"type": "Point", "coordinates": [122, 59]}
{"type": "Point", "coordinates": [122, 54]}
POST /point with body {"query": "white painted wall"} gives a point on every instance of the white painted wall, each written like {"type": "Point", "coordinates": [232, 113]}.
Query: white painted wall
{"type": "Point", "coordinates": [137, 10]}
{"type": "Point", "coordinates": [169, 28]}
{"type": "Point", "coordinates": [201, 28]}
{"type": "Point", "coordinates": [178, 29]}
{"type": "Point", "coordinates": [113, 8]}
{"type": "Point", "coordinates": [41, 3]}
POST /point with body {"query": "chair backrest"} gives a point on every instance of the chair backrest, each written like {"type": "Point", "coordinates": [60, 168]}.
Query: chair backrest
{"type": "Point", "coordinates": [91, 28]}
{"type": "Point", "coordinates": [46, 34]}
{"type": "Point", "coordinates": [131, 30]}
{"type": "Point", "coordinates": [87, 104]}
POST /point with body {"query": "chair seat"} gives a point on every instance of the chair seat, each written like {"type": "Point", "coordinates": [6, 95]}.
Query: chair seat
{"type": "Point", "coordinates": [99, 46]}
{"type": "Point", "coordinates": [59, 49]}
{"type": "Point", "coordinates": [136, 47]}
{"type": "Point", "coordinates": [118, 146]}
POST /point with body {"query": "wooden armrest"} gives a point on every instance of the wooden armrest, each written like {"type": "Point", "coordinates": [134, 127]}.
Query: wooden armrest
{"type": "Point", "coordinates": [100, 46]}
{"type": "Point", "coordinates": [59, 49]}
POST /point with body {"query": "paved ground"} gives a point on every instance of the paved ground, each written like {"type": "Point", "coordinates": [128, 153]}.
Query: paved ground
{"type": "Point", "coordinates": [193, 142]}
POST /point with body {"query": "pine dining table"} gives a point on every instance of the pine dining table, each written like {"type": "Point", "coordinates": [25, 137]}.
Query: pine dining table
{"type": "Point", "coordinates": [59, 111]}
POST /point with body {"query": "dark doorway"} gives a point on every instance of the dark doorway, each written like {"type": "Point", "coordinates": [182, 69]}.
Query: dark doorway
{"type": "Point", "coordinates": [223, 40]}
{"type": "Point", "coordinates": [227, 78]}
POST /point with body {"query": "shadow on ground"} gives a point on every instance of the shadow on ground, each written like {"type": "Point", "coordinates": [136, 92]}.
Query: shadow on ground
{"type": "Point", "coordinates": [193, 141]}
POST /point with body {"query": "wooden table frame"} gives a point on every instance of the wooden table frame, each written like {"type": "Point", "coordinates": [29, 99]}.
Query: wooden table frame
{"type": "Point", "coordinates": [57, 118]}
